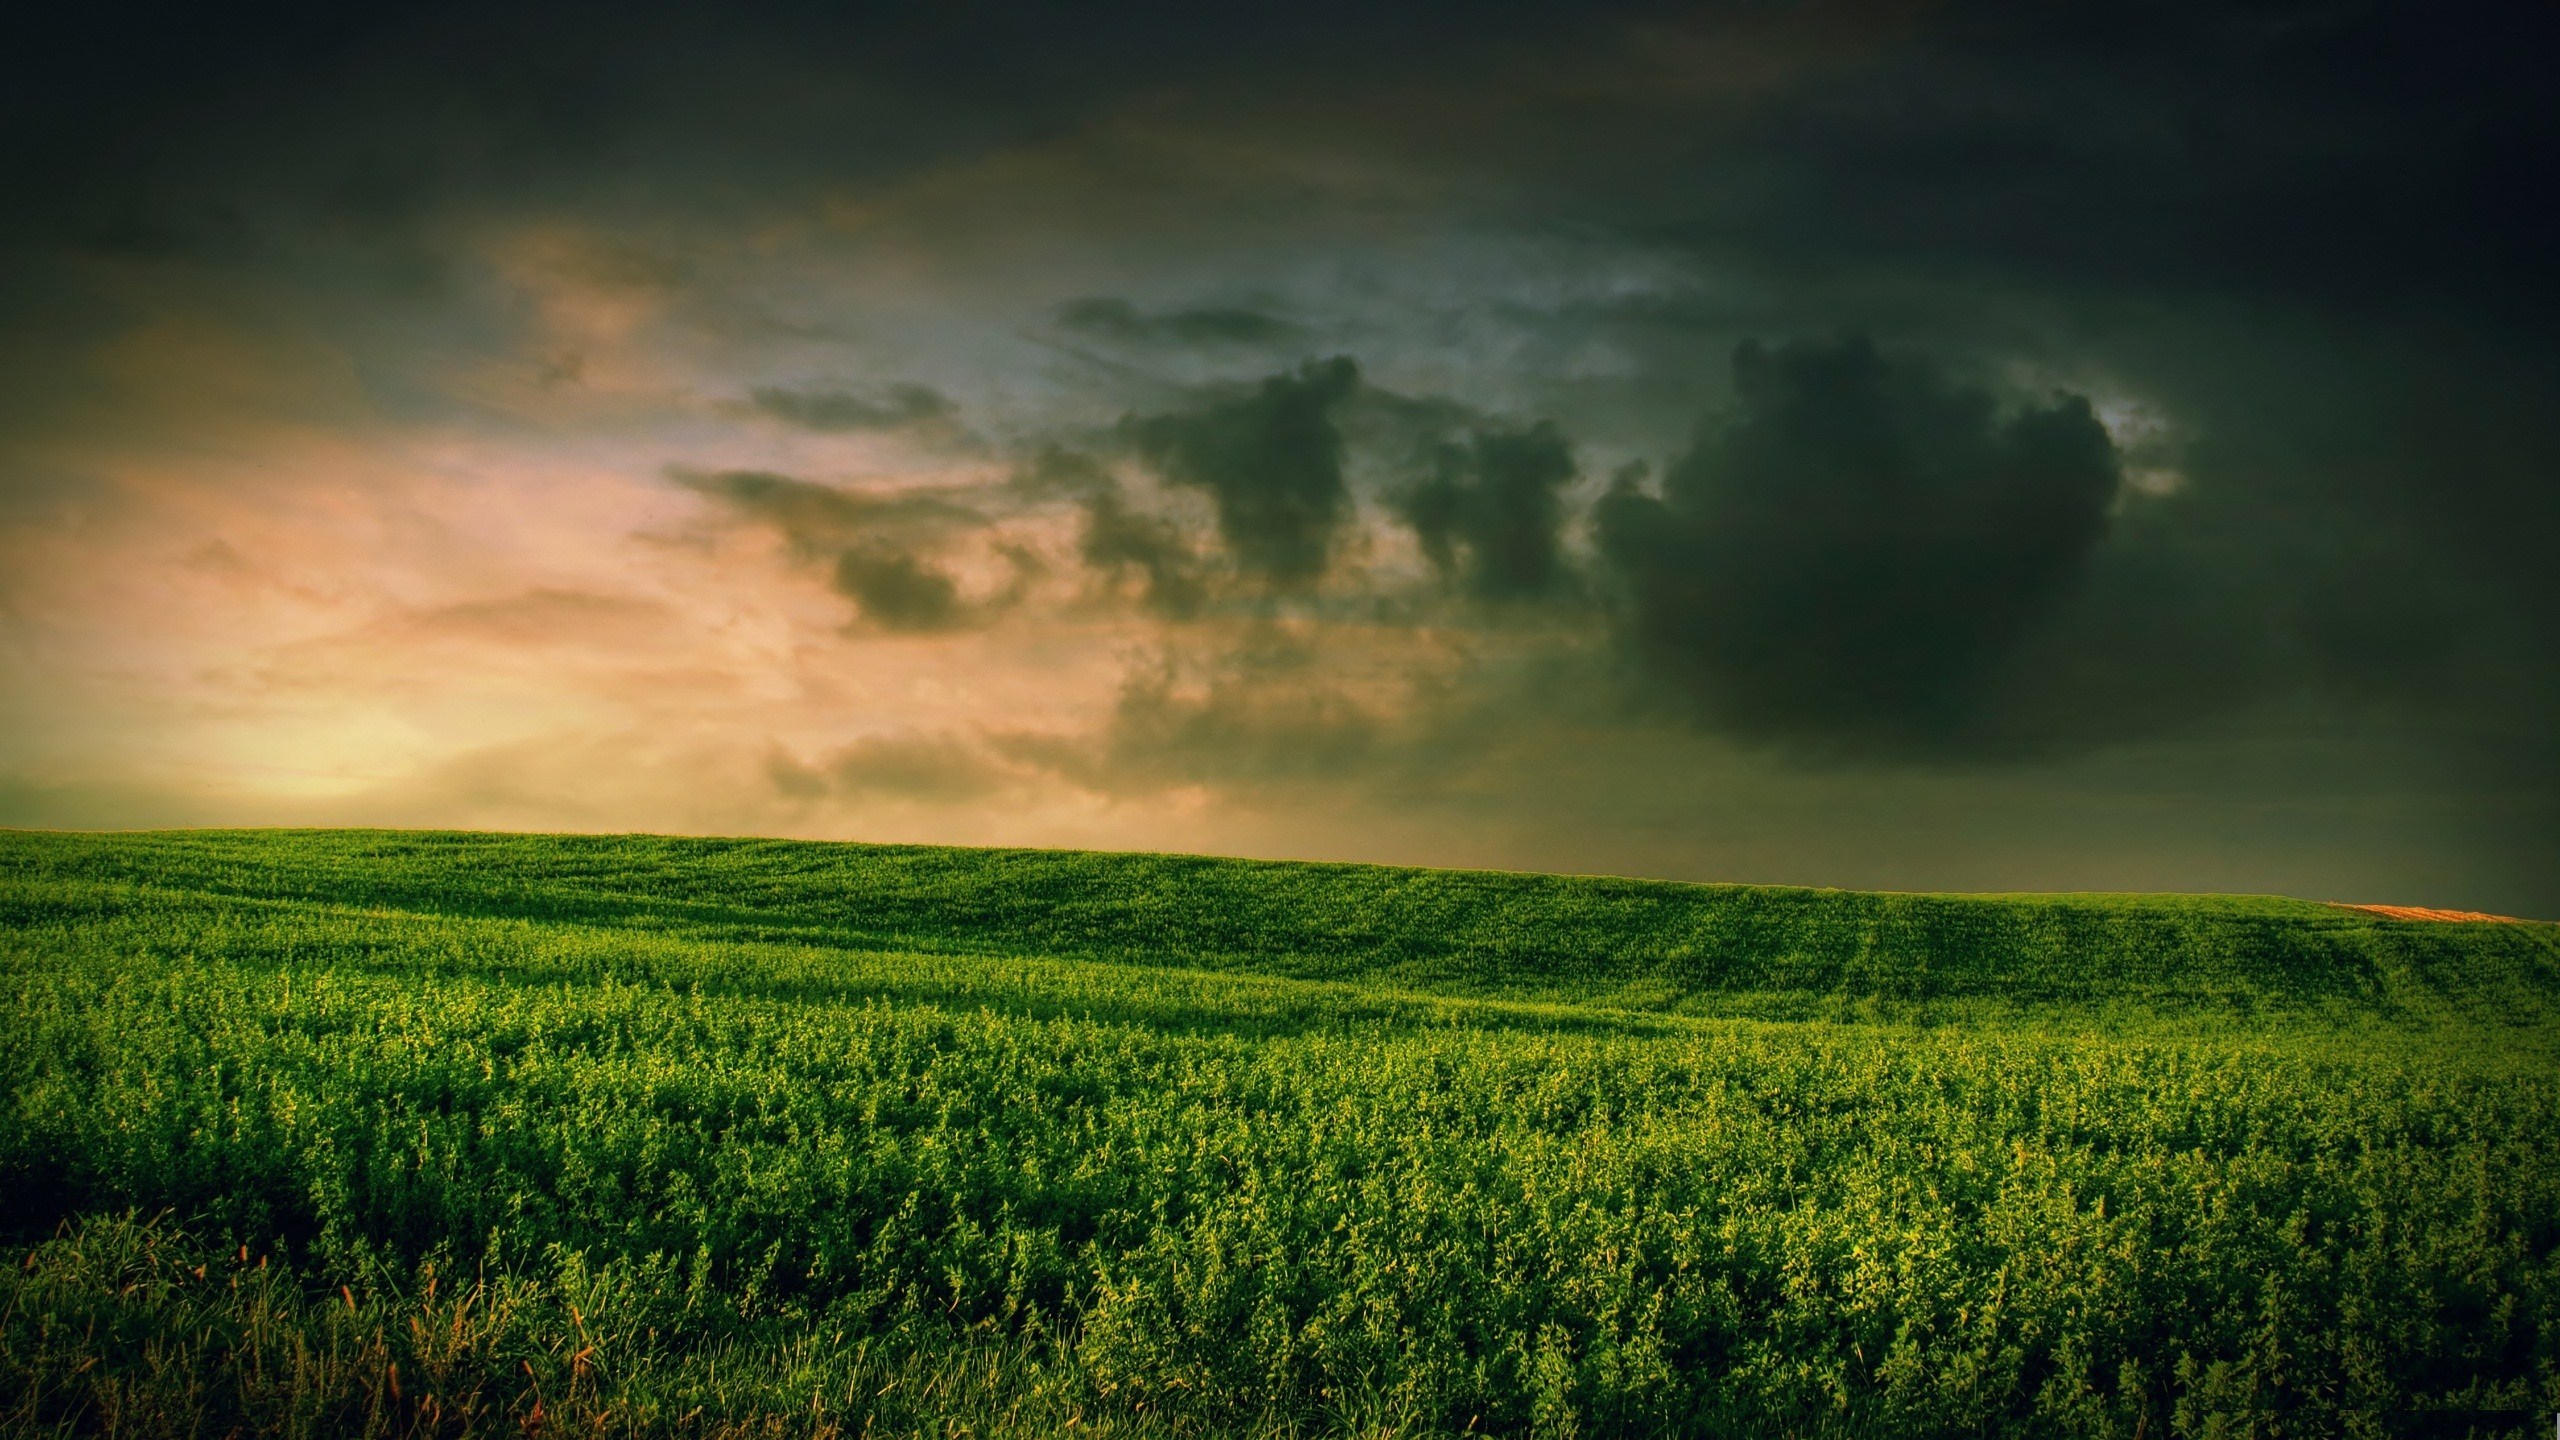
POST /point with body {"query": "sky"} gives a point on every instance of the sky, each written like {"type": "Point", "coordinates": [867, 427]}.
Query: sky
{"type": "Point", "coordinates": [1913, 446]}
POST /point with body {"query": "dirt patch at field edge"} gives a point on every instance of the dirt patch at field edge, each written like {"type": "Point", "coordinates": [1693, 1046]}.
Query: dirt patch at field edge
{"type": "Point", "coordinates": [2421, 912]}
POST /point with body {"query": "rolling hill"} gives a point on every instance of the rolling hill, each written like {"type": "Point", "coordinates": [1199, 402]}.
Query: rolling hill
{"type": "Point", "coordinates": [391, 1132]}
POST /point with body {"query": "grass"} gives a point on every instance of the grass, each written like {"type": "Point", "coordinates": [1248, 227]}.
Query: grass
{"type": "Point", "coordinates": [391, 1133]}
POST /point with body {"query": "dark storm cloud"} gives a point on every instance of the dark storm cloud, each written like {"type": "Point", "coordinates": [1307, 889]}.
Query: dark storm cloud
{"type": "Point", "coordinates": [2358, 536]}
{"type": "Point", "coordinates": [897, 591]}
{"type": "Point", "coordinates": [1858, 546]}
{"type": "Point", "coordinates": [818, 517]}
{"type": "Point", "coordinates": [874, 545]}
{"type": "Point", "coordinates": [1498, 500]}
{"type": "Point", "coordinates": [1120, 541]}
{"type": "Point", "coordinates": [2358, 158]}
{"type": "Point", "coordinates": [165, 130]}
{"type": "Point", "coordinates": [1110, 318]}
{"type": "Point", "coordinates": [1059, 472]}
{"type": "Point", "coordinates": [840, 410]}
{"type": "Point", "coordinates": [2348, 153]}
{"type": "Point", "coordinates": [1271, 461]}
{"type": "Point", "coordinates": [2311, 238]}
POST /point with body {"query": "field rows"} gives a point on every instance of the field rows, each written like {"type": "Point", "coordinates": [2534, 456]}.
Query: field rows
{"type": "Point", "coordinates": [762, 1174]}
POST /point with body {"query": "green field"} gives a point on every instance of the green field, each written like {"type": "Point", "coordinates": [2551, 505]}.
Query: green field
{"type": "Point", "coordinates": [366, 1132]}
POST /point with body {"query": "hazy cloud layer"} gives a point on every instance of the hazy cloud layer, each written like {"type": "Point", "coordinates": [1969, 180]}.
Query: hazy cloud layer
{"type": "Point", "coordinates": [1492, 510]}
{"type": "Point", "coordinates": [841, 410]}
{"type": "Point", "coordinates": [1859, 544]}
{"type": "Point", "coordinates": [1111, 318]}
{"type": "Point", "coordinates": [1271, 460]}
{"type": "Point", "coordinates": [1119, 541]}
{"type": "Point", "coordinates": [1403, 432]}
{"type": "Point", "coordinates": [876, 546]}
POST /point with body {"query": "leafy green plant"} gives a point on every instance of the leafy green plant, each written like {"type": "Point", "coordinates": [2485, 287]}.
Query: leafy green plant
{"type": "Point", "coordinates": [732, 1131]}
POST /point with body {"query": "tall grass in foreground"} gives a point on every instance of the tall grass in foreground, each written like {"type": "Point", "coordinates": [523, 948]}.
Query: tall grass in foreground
{"type": "Point", "coordinates": [465, 1168]}
{"type": "Point", "coordinates": [132, 1326]}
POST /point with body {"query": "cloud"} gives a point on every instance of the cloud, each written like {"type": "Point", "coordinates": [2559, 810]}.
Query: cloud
{"type": "Point", "coordinates": [821, 517]}
{"type": "Point", "coordinates": [2299, 242]}
{"type": "Point", "coordinates": [874, 544]}
{"type": "Point", "coordinates": [1055, 471]}
{"type": "Point", "coordinates": [1118, 540]}
{"type": "Point", "coordinates": [1853, 551]}
{"type": "Point", "coordinates": [914, 767]}
{"type": "Point", "coordinates": [896, 590]}
{"type": "Point", "coordinates": [1497, 499]}
{"type": "Point", "coordinates": [1271, 460]}
{"type": "Point", "coordinates": [838, 410]}
{"type": "Point", "coordinates": [1268, 713]}
{"type": "Point", "coordinates": [1239, 728]}
{"type": "Point", "coordinates": [1109, 318]}
{"type": "Point", "coordinates": [543, 616]}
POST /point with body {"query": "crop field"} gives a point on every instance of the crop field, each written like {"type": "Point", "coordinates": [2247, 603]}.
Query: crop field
{"type": "Point", "coordinates": [336, 1133]}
